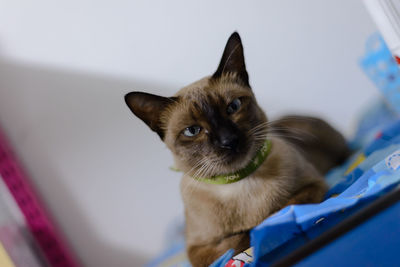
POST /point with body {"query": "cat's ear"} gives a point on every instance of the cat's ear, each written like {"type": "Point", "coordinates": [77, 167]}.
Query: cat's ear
{"type": "Point", "coordinates": [232, 60]}
{"type": "Point", "coordinates": [148, 108]}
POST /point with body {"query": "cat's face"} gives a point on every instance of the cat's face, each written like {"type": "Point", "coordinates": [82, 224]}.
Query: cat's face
{"type": "Point", "coordinates": [211, 126]}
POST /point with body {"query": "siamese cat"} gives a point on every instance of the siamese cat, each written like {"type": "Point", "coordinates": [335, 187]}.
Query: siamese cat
{"type": "Point", "coordinates": [238, 167]}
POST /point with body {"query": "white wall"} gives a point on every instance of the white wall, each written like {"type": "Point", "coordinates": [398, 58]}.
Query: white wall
{"type": "Point", "coordinates": [65, 66]}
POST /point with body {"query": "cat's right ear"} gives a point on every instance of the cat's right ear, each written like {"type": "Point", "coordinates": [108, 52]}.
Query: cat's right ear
{"type": "Point", "coordinates": [232, 60]}
{"type": "Point", "coordinates": [148, 108]}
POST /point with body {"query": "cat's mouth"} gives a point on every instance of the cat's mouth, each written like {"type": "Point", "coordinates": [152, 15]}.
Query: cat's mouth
{"type": "Point", "coordinates": [223, 162]}
{"type": "Point", "coordinates": [233, 161]}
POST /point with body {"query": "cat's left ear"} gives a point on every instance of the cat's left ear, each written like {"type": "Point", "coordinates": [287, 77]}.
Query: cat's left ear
{"type": "Point", "coordinates": [148, 108]}
{"type": "Point", "coordinates": [232, 60]}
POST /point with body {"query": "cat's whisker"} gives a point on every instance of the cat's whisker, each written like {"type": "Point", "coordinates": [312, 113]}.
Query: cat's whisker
{"type": "Point", "coordinates": [286, 132]}
{"type": "Point", "coordinates": [196, 165]}
{"type": "Point", "coordinates": [200, 167]}
{"type": "Point", "coordinates": [258, 126]}
{"type": "Point", "coordinates": [284, 136]}
{"type": "Point", "coordinates": [196, 182]}
{"type": "Point", "coordinates": [199, 163]}
{"type": "Point", "coordinates": [209, 167]}
{"type": "Point", "coordinates": [194, 186]}
{"type": "Point", "coordinates": [292, 130]}
{"type": "Point", "coordinates": [263, 136]}
{"type": "Point", "coordinates": [271, 124]}
{"type": "Point", "coordinates": [200, 170]}
{"type": "Point", "coordinates": [295, 135]}
{"type": "Point", "coordinates": [207, 170]}
{"type": "Point", "coordinates": [294, 117]}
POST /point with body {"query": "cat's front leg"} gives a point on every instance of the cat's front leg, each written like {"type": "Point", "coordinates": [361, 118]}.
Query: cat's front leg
{"type": "Point", "coordinates": [204, 255]}
{"type": "Point", "coordinates": [311, 193]}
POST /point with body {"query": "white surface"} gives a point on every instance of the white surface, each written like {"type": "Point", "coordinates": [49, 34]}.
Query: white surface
{"type": "Point", "coordinates": [65, 67]}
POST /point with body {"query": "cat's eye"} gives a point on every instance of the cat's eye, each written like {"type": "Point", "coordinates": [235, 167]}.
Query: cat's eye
{"type": "Point", "coordinates": [192, 131]}
{"type": "Point", "coordinates": [234, 106]}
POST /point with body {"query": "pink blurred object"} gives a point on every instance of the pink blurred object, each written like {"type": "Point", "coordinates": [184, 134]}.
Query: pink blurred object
{"type": "Point", "coordinates": [41, 228]}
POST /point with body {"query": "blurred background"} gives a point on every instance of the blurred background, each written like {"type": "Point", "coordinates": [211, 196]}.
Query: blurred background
{"type": "Point", "coordinates": [66, 65]}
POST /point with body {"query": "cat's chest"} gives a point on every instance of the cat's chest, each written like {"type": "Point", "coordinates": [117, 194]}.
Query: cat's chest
{"type": "Point", "coordinates": [233, 207]}
{"type": "Point", "coordinates": [248, 197]}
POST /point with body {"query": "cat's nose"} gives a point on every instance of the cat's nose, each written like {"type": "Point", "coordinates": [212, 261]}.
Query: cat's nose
{"type": "Point", "coordinates": [229, 141]}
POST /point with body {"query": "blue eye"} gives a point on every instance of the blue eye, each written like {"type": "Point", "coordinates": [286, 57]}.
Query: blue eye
{"type": "Point", "coordinates": [192, 131]}
{"type": "Point", "coordinates": [234, 106]}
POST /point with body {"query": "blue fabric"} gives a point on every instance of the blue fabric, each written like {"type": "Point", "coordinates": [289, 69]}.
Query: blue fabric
{"type": "Point", "coordinates": [223, 259]}
{"type": "Point", "coordinates": [378, 116]}
{"type": "Point", "coordinates": [380, 66]}
{"type": "Point", "coordinates": [376, 175]}
{"type": "Point", "coordinates": [366, 245]}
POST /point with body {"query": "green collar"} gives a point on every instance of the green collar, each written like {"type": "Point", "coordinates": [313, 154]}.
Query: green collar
{"type": "Point", "coordinates": [240, 174]}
